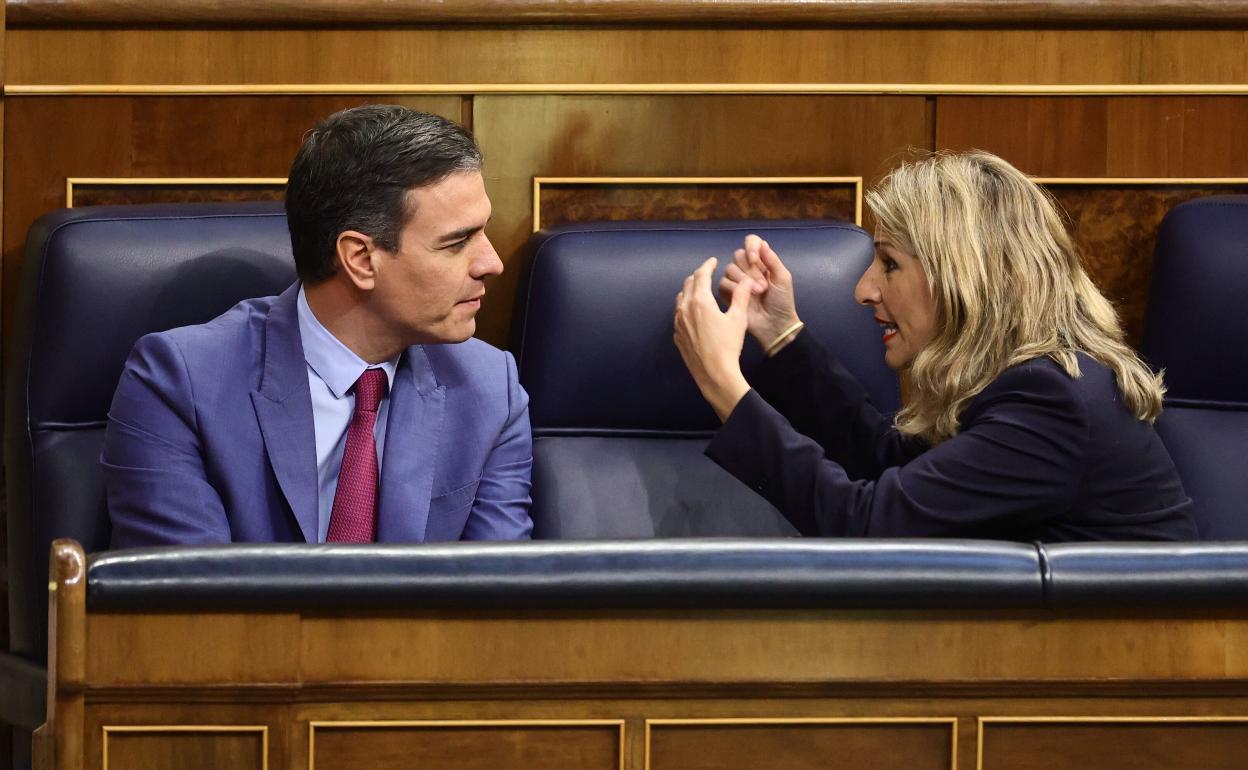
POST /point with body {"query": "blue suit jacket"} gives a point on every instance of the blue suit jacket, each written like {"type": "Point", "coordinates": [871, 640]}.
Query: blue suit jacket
{"type": "Point", "coordinates": [1039, 456]}
{"type": "Point", "coordinates": [210, 438]}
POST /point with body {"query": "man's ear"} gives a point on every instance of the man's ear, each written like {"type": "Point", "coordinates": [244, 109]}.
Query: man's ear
{"type": "Point", "coordinates": [356, 252]}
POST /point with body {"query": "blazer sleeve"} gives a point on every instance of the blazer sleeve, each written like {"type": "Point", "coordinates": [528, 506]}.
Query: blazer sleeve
{"type": "Point", "coordinates": [821, 399]}
{"type": "Point", "coordinates": [1017, 461]}
{"type": "Point", "coordinates": [157, 489]}
{"type": "Point", "coordinates": [501, 508]}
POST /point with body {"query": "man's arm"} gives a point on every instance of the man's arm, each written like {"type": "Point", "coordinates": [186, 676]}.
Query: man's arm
{"type": "Point", "coordinates": [501, 509]}
{"type": "Point", "coordinates": [157, 487]}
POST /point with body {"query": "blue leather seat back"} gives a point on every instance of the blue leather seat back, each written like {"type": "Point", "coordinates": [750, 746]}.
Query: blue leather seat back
{"type": "Point", "coordinates": [1196, 328]}
{"type": "Point", "coordinates": [94, 281]}
{"type": "Point", "coordinates": [619, 426]}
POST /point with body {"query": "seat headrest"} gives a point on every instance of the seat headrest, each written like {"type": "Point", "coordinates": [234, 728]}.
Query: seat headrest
{"type": "Point", "coordinates": [593, 335]}
{"type": "Point", "coordinates": [1195, 326]}
{"type": "Point", "coordinates": [108, 275]}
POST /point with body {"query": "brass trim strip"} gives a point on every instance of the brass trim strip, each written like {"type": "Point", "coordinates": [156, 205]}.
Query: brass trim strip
{"type": "Point", "coordinates": [674, 181]}
{"type": "Point", "coordinates": [327, 724]}
{"type": "Point", "coordinates": [262, 729]}
{"type": "Point", "coordinates": [933, 89]}
{"type": "Point", "coordinates": [1093, 181]}
{"type": "Point", "coordinates": [951, 721]}
{"type": "Point", "coordinates": [245, 181]}
{"type": "Point", "coordinates": [982, 721]}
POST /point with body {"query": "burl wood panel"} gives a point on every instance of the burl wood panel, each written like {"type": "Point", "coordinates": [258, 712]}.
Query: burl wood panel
{"type": "Point", "coordinates": [673, 136]}
{"type": "Point", "coordinates": [1115, 228]}
{"type": "Point", "coordinates": [184, 750]}
{"type": "Point", "coordinates": [52, 138]}
{"type": "Point", "coordinates": [1110, 746]}
{"type": "Point", "coordinates": [112, 195]}
{"type": "Point", "coordinates": [802, 747]}
{"type": "Point", "coordinates": [562, 203]}
{"type": "Point", "coordinates": [519, 747]}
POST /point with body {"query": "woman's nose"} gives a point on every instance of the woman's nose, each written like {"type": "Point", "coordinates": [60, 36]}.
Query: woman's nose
{"type": "Point", "coordinates": [866, 292]}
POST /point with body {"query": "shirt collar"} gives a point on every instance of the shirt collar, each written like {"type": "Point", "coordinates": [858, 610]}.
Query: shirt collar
{"type": "Point", "coordinates": [335, 363]}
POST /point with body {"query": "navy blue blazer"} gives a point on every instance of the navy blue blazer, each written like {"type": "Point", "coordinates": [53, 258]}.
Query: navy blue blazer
{"type": "Point", "coordinates": [210, 438]}
{"type": "Point", "coordinates": [1039, 456]}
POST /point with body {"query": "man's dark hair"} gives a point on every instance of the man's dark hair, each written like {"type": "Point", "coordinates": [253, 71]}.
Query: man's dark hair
{"type": "Point", "coordinates": [353, 172]}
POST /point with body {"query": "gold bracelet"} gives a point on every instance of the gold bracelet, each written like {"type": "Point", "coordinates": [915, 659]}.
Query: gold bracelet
{"type": "Point", "coordinates": [781, 337]}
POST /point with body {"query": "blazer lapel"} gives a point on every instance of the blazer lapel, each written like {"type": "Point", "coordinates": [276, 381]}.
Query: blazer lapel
{"type": "Point", "coordinates": [283, 407]}
{"type": "Point", "coordinates": [413, 429]}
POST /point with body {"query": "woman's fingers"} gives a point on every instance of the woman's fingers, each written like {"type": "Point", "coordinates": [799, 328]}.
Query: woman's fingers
{"type": "Point", "coordinates": [771, 261]}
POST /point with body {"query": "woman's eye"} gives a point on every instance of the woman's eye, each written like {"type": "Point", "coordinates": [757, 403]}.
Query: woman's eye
{"type": "Point", "coordinates": [890, 265]}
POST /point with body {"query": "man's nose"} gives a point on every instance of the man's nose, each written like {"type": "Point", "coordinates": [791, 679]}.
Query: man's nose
{"type": "Point", "coordinates": [487, 262]}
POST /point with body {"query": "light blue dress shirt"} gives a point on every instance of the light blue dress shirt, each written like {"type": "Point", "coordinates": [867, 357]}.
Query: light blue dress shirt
{"type": "Point", "coordinates": [332, 371]}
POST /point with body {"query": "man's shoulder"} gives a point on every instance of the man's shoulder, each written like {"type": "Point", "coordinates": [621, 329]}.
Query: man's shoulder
{"type": "Point", "coordinates": [236, 336]}
{"type": "Point", "coordinates": [239, 324]}
{"type": "Point", "coordinates": [471, 362]}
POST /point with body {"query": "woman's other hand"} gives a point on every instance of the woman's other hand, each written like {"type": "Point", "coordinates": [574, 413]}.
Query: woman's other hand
{"type": "Point", "coordinates": [771, 310]}
{"type": "Point", "coordinates": [710, 340]}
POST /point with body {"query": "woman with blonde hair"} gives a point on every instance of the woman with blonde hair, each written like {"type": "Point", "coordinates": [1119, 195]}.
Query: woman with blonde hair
{"type": "Point", "coordinates": [1027, 418]}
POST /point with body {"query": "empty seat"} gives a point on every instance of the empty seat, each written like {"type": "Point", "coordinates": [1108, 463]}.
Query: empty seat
{"type": "Point", "coordinates": [1196, 328]}
{"type": "Point", "coordinates": [619, 426]}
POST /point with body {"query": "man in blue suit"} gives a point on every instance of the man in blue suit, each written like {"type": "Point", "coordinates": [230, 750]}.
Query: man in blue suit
{"type": "Point", "coordinates": [355, 406]}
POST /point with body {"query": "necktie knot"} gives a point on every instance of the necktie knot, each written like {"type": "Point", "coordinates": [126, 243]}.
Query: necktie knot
{"type": "Point", "coordinates": [369, 390]}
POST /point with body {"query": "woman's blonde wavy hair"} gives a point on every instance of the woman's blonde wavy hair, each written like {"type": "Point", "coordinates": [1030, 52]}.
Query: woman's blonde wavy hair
{"type": "Point", "coordinates": [1007, 282]}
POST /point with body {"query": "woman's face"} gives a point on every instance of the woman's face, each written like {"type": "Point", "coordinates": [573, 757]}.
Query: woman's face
{"type": "Point", "coordinates": [896, 288]}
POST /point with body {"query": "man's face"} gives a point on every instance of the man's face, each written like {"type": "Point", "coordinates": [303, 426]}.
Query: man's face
{"type": "Point", "coordinates": [430, 289]}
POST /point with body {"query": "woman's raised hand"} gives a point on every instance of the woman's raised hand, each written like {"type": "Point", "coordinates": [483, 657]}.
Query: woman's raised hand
{"type": "Point", "coordinates": [771, 310]}
{"type": "Point", "coordinates": [710, 340]}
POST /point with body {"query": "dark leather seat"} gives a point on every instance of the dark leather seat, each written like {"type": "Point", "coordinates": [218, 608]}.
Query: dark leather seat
{"type": "Point", "coordinates": [618, 425]}
{"type": "Point", "coordinates": [94, 281]}
{"type": "Point", "coordinates": [1196, 328]}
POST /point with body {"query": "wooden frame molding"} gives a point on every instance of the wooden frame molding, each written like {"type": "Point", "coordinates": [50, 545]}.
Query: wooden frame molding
{"type": "Point", "coordinates": [952, 722]}
{"type": "Point", "coordinates": [71, 182]}
{"type": "Point", "coordinates": [467, 723]}
{"type": "Point", "coordinates": [675, 181]}
{"type": "Point", "coordinates": [160, 729]}
{"type": "Point", "coordinates": [194, 13]}
{"type": "Point", "coordinates": [982, 722]}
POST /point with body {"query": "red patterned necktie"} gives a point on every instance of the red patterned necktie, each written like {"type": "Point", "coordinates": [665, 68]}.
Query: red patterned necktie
{"type": "Point", "coordinates": [354, 516]}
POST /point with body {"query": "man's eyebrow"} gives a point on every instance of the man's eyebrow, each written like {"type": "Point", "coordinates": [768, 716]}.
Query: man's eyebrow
{"type": "Point", "coordinates": [460, 234]}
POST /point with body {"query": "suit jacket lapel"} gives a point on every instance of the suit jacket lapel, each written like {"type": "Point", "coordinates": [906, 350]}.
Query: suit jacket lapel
{"type": "Point", "coordinates": [283, 407]}
{"type": "Point", "coordinates": [413, 429]}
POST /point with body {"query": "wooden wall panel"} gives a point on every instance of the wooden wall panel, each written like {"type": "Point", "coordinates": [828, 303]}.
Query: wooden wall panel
{"type": "Point", "coordinates": [846, 746]}
{"type": "Point", "coordinates": [527, 136]}
{"type": "Point", "coordinates": [228, 136]}
{"type": "Point", "coordinates": [1139, 745]}
{"type": "Point", "coordinates": [1098, 136]}
{"type": "Point", "coordinates": [467, 747]}
{"type": "Point", "coordinates": [626, 55]}
{"type": "Point", "coordinates": [190, 749]}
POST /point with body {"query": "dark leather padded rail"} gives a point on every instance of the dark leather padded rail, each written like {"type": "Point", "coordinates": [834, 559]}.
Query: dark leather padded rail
{"type": "Point", "coordinates": [720, 573]}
